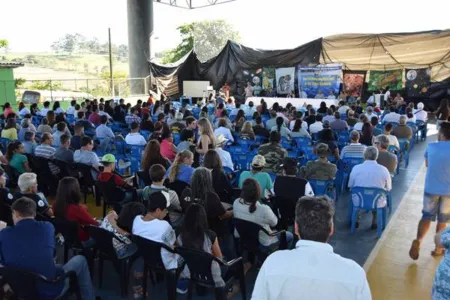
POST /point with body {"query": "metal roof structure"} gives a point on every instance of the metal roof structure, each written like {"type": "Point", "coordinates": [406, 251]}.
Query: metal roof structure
{"type": "Point", "coordinates": [11, 64]}
{"type": "Point", "coordinates": [192, 4]}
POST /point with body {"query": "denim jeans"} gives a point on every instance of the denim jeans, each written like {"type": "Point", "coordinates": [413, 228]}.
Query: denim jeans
{"type": "Point", "coordinates": [289, 240]}
{"type": "Point", "coordinates": [79, 265]}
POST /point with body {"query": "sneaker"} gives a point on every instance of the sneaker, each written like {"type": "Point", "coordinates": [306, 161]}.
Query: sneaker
{"type": "Point", "coordinates": [182, 286]}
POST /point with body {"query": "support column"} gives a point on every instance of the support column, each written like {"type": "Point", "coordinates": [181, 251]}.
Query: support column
{"type": "Point", "coordinates": [140, 29]}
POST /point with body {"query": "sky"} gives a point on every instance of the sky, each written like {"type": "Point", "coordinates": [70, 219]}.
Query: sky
{"type": "Point", "coordinates": [33, 25]}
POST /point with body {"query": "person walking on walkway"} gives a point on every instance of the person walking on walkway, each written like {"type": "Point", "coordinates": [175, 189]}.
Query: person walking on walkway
{"type": "Point", "coordinates": [436, 199]}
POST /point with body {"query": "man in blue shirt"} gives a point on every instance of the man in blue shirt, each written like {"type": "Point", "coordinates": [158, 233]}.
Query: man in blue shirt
{"type": "Point", "coordinates": [436, 201]}
{"type": "Point", "coordinates": [30, 245]}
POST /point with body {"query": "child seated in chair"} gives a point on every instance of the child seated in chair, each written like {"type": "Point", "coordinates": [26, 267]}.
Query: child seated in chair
{"type": "Point", "coordinates": [108, 176]}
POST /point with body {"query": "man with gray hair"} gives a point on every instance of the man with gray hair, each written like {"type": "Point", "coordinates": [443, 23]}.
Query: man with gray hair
{"type": "Point", "coordinates": [402, 131]}
{"type": "Point", "coordinates": [370, 174]}
{"type": "Point", "coordinates": [28, 186]}
{"type": "Point", "coordinates": [385, 158]}
{"type": "Point", "coordinates": [420, 114]}
{"type": "Point", "coordinates": [355, 149]}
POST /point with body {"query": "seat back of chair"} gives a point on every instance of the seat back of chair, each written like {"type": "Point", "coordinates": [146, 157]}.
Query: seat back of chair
{"type": "Point", "coordinates": [4, 142]}
{"type": "Point", "coordinates": [403, 144]}
{"type": "Point", "coordinates": [176, 138]}
{"type": "Point", "coordinates": [367, 198]}
{"type": "Point", "coordinates": [248, 234]}
{"type": "Point", "coordinates": [199, 264]}
{"type": "Point", "coordinates": [120, 147]}
{"type": "Point", "coordinates": [69, 230]}
{"type": "Point", "coordinates": [150, 251]}
{"type": "Point", "coordinates": [145, 177]}
{"type": "Point", "coordinates": [110, 192]}
{"type": "Point", "coordinates": [303, 142]}
{"type": "Point", "coordinates": [103, 240]}
{"type": "Point", "coordinates": [85, 171]}
{"type": "Point", "coordinates": [23, 283]}
{"type": "Point", "coordinates": [65, 168]}
{"type": "Point", "coordinates": [178, 186]}
{"type": "Point", "coordinates": [393, 149]}
{"type": "Point", "coordinates": [135, 156]}
{"type": "Point", "coordinates": [41, 166]}
{"type": "Point", "coordinates": [322, 187]}
{"type": "Point", "coordinates": [347, 163]}
{"type": "Point", "coordinates": [146, 134]}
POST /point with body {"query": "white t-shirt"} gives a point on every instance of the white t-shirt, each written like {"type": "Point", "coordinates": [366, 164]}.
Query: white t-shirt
{"type": "Point", "coordinates": [158, 231]}
{"type": "Point", "coordinates": [44, 112]}
{"type": "Point", "coordinates": [24, 111]}
{"type": "Point", "coordinates": [135, 139]}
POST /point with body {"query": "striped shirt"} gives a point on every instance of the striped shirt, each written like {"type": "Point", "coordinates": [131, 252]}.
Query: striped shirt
{"type": "Point", "coordinates": [353, 150]}
{"type": "Point", "coordinates": [47, 151]}
{"type": "Point", "coordinates": [132, 118]}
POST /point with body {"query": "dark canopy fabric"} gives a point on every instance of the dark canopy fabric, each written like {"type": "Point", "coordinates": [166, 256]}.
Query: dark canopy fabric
{"type": "Point", "coordinates": [225, 67]}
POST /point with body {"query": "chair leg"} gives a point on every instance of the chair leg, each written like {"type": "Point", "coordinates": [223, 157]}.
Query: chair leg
{"type": "Point", "coordinates": [144, 281]}
{"type": "Point", "coordinates": [190, 289]}
{"type": "Point", "coordinates": [171, 284]}
{"type": "Point", "coordinates": [354, 218]}
{"type": "Point", "coordinates": [242, 281]}
{"type": "Point", "coordinates": [380, 220]}
{"type": "Point", "coordinates": [100, 272]}
{"type": "Point", "coordinates": [221, 293]}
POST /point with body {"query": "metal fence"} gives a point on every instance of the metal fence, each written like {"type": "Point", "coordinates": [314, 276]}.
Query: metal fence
{"type": "Point", "coordinates": [64, 89]}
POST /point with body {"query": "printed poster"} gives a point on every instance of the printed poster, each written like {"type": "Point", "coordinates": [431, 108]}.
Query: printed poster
{"type": "Point", "coordinates": [417, 82]}
{"type": "Point", "coordinates": [379, 80]}
{"type": "Point", "coordinates": [268, 79]}
{"type": "Point", "coordinates": [321, 81]}
{"type": "Point", "coordinates": [254, 76]}
{"type": "Point", "coordinates": [353, 83]}
{"type": "Point", "coordinates": [285, 80]}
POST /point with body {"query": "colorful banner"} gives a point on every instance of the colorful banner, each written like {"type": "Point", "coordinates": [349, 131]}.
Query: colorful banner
{"type": "Point", "coordinates": [417, 82]}
{"type": "Point", "coordinates": [379, 80]}
{"type": "Point", "coordinates": [254, 76]}
{"type": "Point", "coordinates": [353, 83]}
{"type": "Point", "coordinates": [321, 81]}
{"type": "Point", "coordinates": [285, 80]}
{"type": "Point", "coordinates": [268, 80]}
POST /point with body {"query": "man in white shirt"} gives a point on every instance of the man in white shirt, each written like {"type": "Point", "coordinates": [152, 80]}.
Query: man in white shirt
{"type": "Point", "coordinates": [225, 156]}
{"type": "Point", "coordinates": [392, 116]}
{"type": "Point", "coordinates": [392, 138]}
{"type": "Point", "coordinates": [387, 95]}
{"type": "Point", "coordinates": [312, 268]}
{"type": "Point", "coordinates": [420, 114]}
{"type": "Point", "coordinates": [71, 109]}
{"type": "Point", "coordinates": [298, 115]}
{"type": "Point", "coordinates": [223, 130]}
{"type": "Point", "coordinates": [134, 137]}
{"type": "Point", "coordinates": [153, 227]}
{"type": "Point", "coordinates": [102, 112]}
{"type": "Point", "coordinates": [319, 95]}
{"type": "Point", "coordinates": [343, 107]}
{"type": "Point", "coordinates": [248, 90]}
{"type": "Point", "coordinates": [316, 126]}
{"type": "Point", "coordinates": [45, 110]}
{"type": "Point", "coordinates": [370, 113]}
{"type": "Point", "coordinates": [331, 96]}
{"type": "Point", "coordinates": [370, 174]}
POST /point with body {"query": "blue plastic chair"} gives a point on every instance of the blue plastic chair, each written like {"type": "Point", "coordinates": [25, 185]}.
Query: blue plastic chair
{"type": "Point", "coordinates": [272, 176]}
{"type": "Point", "coordinates": [4, 142]}
{"type": "Point", "coordinates": [176, 138]}
{"type": "Point", "coordinates": [345, 166]}
{"type": "Point", "coordinates": [247, 145]}
{"type": "Point", "coordinates": [146, 134]}
{"type": "Point", "coordinates": [135, 157]}
{"type": "Point", "coordinates": [325, 187]}
{"type": "Point", "coordinates": [303, 142]}
{"type": "Point", "coordinates": [367, 199]}
{"type": "Point", "coordinates": [242, 161]}
{"type": "Point", "coordinates": [404, 150]}
{"type": "Point", "coordinates": [286, 143]}
{"type": "Point", "coordinates": [261, 139]}
{"type": "Point", "coordinates": [233, 174]}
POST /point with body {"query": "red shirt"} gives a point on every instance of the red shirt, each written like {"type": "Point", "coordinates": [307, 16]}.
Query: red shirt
{"type": "Point", "coordinates": [94, 118]}
{"type": "Point", "coordinates": [80, 214]}
{"type": "Point", "coordinates": [105, 177]}
{"type": "Point", "coordinates": [145, 110]}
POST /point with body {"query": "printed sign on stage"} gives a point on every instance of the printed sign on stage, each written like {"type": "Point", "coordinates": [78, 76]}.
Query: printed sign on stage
{"type": "Point", "coordinates": [254, 76]}
{"type": "Point", "coordinates": [379, 80]}
{"type": "Point", "coordinates": [320, 81]}
{"type": "Point", "coordinates": [268, 80]}
{"type": "Point", "coordinates": [417, 82]}
{"type": "Point", "coordinates": [353, 83]}
{"type": "Point", "coordinates": [285, 80]}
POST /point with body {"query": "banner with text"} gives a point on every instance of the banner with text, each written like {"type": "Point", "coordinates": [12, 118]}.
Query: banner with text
{"type": "Point", "coordinates": [417, 82]}
{"type": "Point", "coordinates": [353, 83]}
{"type": "Point", "coordinates": [379, 80]}
{"type": "Point", "coordinates": [321, 81]}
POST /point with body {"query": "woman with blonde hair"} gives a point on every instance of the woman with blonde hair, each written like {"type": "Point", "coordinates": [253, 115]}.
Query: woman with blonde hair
{"type": "Point", "coordinates": [247, 132]}
{"type": "Point", "coordinates": [206, 140]}
{"type": "Point", "coordinates": [181, 168]}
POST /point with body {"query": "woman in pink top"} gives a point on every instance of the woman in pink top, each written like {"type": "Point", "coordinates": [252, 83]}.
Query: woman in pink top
{"type": "Point", "coordinates": [167, 148]}
{"type": "Point", "coordinates": [8, 110]}
{"type": "Point", "coordinates": [219, 110]}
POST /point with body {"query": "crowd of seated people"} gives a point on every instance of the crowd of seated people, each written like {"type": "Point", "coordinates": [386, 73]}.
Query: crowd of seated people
{"type": "Point", "coordinates": [202, 163]}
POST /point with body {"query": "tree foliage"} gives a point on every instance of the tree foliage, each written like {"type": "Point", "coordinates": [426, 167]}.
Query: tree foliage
{"type": "Point", "coordinates": [207, 38]}
{"type": "Point", "coordinates": [77, 43]}
{"type": "Point", "coordinates": [3, 43]}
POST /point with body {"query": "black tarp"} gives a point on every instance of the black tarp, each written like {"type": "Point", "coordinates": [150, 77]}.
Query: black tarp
{"type": "Point", "coordinates": [226, 67]}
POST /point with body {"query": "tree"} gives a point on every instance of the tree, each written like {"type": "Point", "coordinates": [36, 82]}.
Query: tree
{"type": "Point", "coordinates": [207, 38]}
{"type": "Point", "coordinates": [69, 44]}
{"type": "Point", "coordinates": [3, 44]}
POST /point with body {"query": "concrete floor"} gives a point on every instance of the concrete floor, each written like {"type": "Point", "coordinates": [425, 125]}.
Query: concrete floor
{"type": "Point", "coordinates": [390, 271]}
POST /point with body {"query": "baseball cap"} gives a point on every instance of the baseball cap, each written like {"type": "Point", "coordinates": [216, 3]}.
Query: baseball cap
{"type": "Point", "coordinates": [158, 200]}
{"type": "Point", "coordinates": [108, 158]}
{"type": "Point", "coordinates": [258, 161]}
{"type": "Point", "coordinates": [326, 124]}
